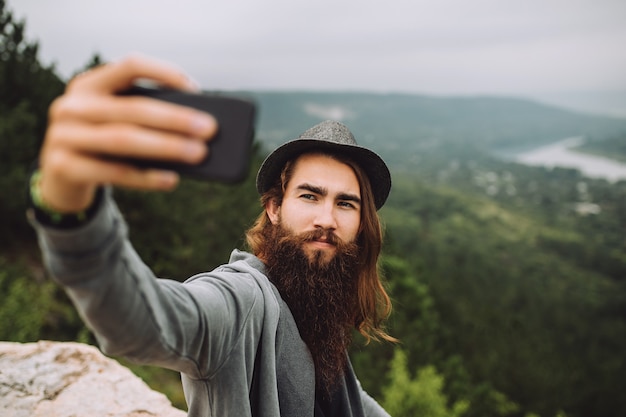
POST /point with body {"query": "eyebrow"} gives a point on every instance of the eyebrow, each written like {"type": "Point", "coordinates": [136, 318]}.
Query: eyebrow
{"type": "Point", "coordinates": [324, 192]}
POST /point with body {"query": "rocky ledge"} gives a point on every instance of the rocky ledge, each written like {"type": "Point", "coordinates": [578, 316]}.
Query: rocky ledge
{"type": "Point", "coordinates": [53, 379]}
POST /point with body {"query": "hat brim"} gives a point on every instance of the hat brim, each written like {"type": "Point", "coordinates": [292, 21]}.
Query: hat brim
{"type": "Point", "coordinates": [373, 165]}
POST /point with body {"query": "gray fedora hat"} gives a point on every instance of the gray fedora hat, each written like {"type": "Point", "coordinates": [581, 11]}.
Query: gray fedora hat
{"type": "Point", "coordinates": [335, 138]}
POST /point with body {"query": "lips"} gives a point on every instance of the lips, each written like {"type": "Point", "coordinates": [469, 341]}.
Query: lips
{"type": "Point", "coordinates": [322, 242]}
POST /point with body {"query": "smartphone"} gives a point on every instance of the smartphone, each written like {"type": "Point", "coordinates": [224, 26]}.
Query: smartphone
{"type": "Point", "coordinates": [228, 158]}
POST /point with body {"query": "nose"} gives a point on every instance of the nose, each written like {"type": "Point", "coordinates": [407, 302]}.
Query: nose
{"type": "Point", "coordinates": [325, 217]}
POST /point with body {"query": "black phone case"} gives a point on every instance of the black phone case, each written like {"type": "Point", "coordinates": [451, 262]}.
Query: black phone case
{"type": "Point", "coordinates": [228, 159]}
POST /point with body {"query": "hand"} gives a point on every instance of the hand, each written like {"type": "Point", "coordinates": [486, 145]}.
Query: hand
{"type": "Point", "coordinates": [90, 121]}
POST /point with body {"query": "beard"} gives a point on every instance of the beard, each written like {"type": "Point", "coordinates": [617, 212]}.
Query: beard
{"type": "Point", "coordinates": [322, 294]}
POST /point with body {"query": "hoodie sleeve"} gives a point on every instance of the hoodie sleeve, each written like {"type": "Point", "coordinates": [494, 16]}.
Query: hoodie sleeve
{"type": "Point", "coordinates": [190, 328]}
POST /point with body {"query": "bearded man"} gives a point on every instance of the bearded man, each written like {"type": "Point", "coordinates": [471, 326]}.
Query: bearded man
{"type": "Point", "coordinates": [264, 335]}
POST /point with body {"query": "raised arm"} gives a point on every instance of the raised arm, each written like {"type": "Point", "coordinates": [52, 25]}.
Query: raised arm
{"type": "Point", "coordinates": [132, 313]}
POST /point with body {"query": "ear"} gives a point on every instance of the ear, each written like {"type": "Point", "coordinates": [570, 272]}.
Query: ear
{"type": "Point", "coordinates": [273, 211]}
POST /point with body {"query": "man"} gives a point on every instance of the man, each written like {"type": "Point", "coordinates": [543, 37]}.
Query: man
{"type": "Point", "coordinates": [267, 333]}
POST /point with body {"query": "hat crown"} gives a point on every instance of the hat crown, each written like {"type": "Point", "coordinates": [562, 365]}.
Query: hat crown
{"type": "Point", "coordinates": [330, 131]}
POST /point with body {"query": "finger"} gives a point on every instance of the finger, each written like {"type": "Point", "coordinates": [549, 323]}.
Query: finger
{"type": "Point", "coordinates": [151, 113]}
{"type": "Point", "coordinates": [121, 74]}
{"type": "Point", "coordinates": [82, 169]}
{"type": "Point", "coordinates": [125, 140]}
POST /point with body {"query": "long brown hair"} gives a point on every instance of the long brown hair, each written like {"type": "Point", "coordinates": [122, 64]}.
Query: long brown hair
{"type": "Point", "coordinates": [374, 303]}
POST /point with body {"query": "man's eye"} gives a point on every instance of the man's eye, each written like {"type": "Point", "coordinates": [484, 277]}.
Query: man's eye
{"type": "Point", "coordinates": [346, 204]}
{"type": "Point", "coordinates": [308, 196]}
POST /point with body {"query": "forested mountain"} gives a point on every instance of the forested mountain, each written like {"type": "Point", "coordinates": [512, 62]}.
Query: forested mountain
{"type": "Point", "coordinates": [509, 291]}
{"type": "Point", "coordinates": [398, 125]}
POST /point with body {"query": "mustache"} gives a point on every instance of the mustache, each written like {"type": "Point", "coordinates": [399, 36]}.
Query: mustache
{"type": "Point", "coordinates": [348, 249]}
{"type": "Point", "coordinates": [326, 235]}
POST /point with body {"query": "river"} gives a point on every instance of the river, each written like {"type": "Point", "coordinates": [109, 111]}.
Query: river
{"type": "Point", "coordinates": [562, 154]}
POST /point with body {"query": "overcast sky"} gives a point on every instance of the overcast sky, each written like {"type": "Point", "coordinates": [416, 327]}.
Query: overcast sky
{"type": "Point", "coordinates": [422, 46]}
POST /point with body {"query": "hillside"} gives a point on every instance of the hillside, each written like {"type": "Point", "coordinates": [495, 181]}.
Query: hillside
{"type": "Point", "coordinates": [517, 292]}
{"type": "Point", "coordinates": [613, 147]}
{"type": "Point", "coordinates": [397, 125]}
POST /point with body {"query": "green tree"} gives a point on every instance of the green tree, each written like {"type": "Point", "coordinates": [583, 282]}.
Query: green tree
{"type": "Point", "coordinates": [31, 309]}
{"type": "Point", "coordinates": [422, 395]}
{"type": "Point", "coordinates": [26, 91]}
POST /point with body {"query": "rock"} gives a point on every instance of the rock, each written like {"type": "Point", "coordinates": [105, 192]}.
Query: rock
{"type": "Point", "coordinates": [53, 379]}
